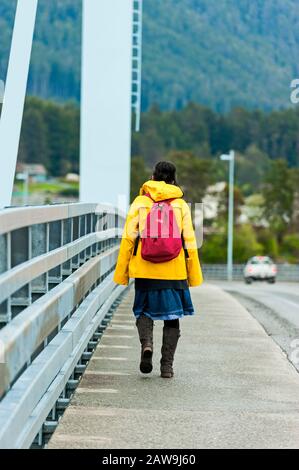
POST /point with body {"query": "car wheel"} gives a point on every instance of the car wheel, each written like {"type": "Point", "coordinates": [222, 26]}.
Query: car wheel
{"type": "Point", "coordinates": [248, 280]}
{"type": "Point", "coordinates": [272, 280]}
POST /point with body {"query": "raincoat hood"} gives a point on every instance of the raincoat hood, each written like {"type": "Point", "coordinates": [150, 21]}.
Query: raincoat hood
{"type": "Point", "coordinates": [159, 190]}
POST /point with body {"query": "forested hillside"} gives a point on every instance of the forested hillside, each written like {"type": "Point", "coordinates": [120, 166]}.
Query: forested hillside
{"type": "Point", "coordinates": [50, 135]}
{"type": "Point", "coordinates": [219, 53]}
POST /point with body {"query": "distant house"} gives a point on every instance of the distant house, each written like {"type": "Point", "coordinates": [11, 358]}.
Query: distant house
{"type": "Point", "coordinates": [72, 178]}
{"type": "Point", "coordinates": [37, 173]}
{"type": "Point", "coordinates": [211, 200]}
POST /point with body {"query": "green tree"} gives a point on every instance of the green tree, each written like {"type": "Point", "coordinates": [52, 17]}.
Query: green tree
{"type": "Point", "coordinates": [214, 249]}
{"type": "Point", "coordinates": [194, 174]}
{"type": "Point", "coordinates": [245, 243]}
{"type": "Point", "coordinates": [63, 128]}
{"type": "Point", "coordinates": [251, 168]}
{"type": "Point", "coordinates": [290, 247]}
{"type": "Point", "coordinates": [222, 216]}
{"type": "Point", "coordinates": [269, 242]}
{"type": "Point", "coordinates": [278, 193]}
{"type": "Point", "coordinates": [50, 136]}
{"type": "Point", "coordinates": [139, 175]}
{"type": "Point", "coordinates": [34, 145]}
{"type": "Point", "coordinates": [295, 179]}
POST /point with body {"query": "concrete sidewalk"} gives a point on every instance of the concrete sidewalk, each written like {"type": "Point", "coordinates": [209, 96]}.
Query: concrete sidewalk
{"type": "Point", "coordinates": [233, 386]}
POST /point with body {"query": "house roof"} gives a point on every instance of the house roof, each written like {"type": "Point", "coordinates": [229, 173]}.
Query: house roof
{"type": "Point", "coordinates": [32, 168]}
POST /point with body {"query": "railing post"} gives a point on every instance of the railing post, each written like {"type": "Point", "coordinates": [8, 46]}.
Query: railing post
{"type": "Point", "coordinates": [20, 253]}
{"type": "Point", "coordinates": [75, 236]}
{"type": "Point", "coordinates": [88, 231]}
{"type": "Point", "coordinates": [39, 237]}
{"type": "Point", "coordinates": [67, 238]}
{"type": "Point", "coordinates": [94, 219]}
{"type": "Point", "coordinates": [5, 264]}
{"type": "Point", "coordinates": [55, 241]}
{"type": "Point", "coordinates": [82, 233]}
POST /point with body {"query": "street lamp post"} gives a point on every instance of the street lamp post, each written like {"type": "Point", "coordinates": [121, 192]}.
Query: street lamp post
{"type": "Point", "coordinates": [230, 230]}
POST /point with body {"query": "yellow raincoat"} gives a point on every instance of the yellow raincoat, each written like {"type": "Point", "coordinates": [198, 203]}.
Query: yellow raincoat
{"type": "Point", "coordinates": [134, 266]}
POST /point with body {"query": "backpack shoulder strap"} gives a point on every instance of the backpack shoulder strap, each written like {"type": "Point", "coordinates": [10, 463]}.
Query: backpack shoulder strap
{"type": "Point", "coordinates": [184, 247]}
{"type": "Point", "coordinates": [136, 245]}
{"type": "Point", "coordinates": [149, 196]}
{"type": "Point", "coordinates": [138, 236]}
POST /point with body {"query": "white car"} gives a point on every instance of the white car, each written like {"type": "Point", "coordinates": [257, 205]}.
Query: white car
{"type": "Point", "coordinates": [260, 268]}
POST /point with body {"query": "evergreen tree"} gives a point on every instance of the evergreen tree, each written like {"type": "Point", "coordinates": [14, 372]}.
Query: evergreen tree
{"type": "Point", "coordinates": [278, 193]}
{"type": "Point", "coordinates": [139, 175]}
{"type": "Point", "coordinates": [34, 145]}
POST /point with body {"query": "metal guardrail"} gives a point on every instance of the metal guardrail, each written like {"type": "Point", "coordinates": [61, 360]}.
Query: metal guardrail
{"type": "Point", "coordinates": [285, 272]}
{"type": "Point", "coordinates": [56, 288]}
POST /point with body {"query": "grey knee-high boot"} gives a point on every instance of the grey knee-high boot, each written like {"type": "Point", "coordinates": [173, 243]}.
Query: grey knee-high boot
{"type": "Point", "coordinates": [145, 327]}
{"type": "Point", "coordinates": [170, 341]}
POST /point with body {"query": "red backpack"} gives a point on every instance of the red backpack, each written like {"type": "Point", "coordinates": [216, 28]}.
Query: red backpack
{"type": "Point", "coordinates": [161, 237]}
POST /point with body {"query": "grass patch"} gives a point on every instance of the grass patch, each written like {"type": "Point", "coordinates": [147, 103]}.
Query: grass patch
{"type": "Point", "coordinates": [57, 187]}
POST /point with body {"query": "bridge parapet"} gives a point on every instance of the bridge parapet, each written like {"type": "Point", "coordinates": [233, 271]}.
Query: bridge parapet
{"type": "Point", "coordinates": [56, 287]}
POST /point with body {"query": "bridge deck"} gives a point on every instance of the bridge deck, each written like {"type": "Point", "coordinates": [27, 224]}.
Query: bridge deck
{"type": "Point", "coordinates": [233, 386]}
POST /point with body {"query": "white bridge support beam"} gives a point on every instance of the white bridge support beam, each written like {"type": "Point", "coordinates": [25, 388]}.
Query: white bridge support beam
{"type": "Point", "coordinates": [106, 100]}
{"type": "Point", "coordinates": [14, 95]}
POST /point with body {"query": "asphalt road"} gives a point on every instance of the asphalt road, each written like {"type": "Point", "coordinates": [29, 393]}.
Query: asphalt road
{"type": "Point", "coordinates": [275, 306]}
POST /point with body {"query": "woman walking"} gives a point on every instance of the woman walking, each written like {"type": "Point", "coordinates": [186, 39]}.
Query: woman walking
{"type": "Point", "coordinates": [159, 250]}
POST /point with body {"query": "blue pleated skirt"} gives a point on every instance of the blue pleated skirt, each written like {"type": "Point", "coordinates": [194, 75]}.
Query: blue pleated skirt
{"type": "Point", "coordinates": [163, 304]}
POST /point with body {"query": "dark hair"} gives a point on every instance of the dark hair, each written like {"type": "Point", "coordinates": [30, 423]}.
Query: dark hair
{"type": "Point", "coordinates": [165, 171]}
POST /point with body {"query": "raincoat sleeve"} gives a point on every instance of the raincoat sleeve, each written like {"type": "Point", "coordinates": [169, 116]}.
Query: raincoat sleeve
{"type": "Point", "coordinates": [194, 272]}
{"type": "Point", "coordinates": [130, 233]}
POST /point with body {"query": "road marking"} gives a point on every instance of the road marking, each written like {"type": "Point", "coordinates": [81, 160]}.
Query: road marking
{"type": "Point", "coordinates": [266, 300]}
{"type": "Point", "coordinates": [124, 315]}
{"type": "Point", "coordinates": [83, 438]}
{"type": "Point", "coordinates": [114, 346]}
{"type": "Point", "coordinates": [103, 372]}
{"type": "Point", "coordinates": [121, 321]}
{"type": "Point", "coordinates": [92, 410]}
{"type": "Point", "coordinates": [282, 299]}
{"type": "Point", "coordinates": [107, 336]}
{"type": "Point", "coordinates": [104, 358]}
{"type": "Point", "coordinates": [119, 326]}
{"type": "Point", "coordinates": [96, 390]}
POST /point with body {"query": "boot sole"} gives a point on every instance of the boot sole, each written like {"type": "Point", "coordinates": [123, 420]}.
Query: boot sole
{"type": "Point", "coordinates": [146, 365]}
{"type": "Point", "coordinates": [167, 375]}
